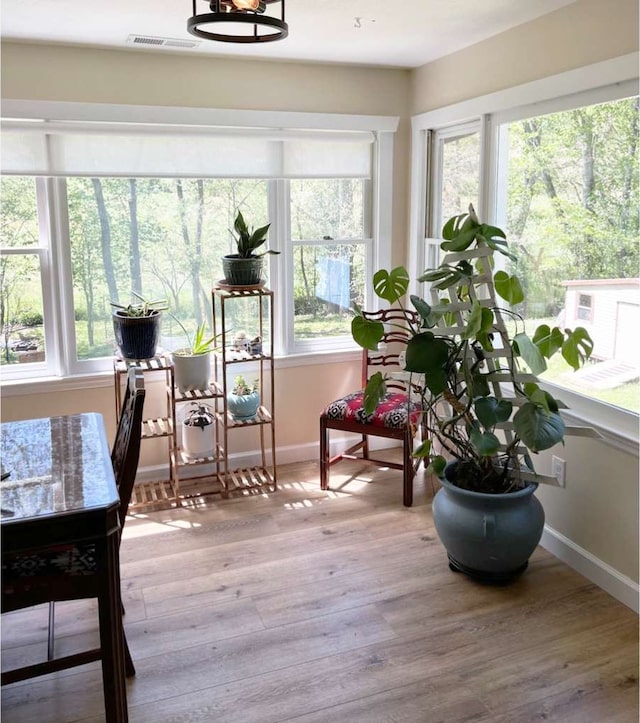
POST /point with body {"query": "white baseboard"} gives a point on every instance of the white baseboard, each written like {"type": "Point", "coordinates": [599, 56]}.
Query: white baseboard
{"type": "Point", "coordinates": [622, 588]}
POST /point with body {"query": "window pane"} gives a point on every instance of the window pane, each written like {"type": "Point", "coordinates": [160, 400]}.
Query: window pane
{"type": "Point", "coordinates": [328, 281]}
{"type": "Point", "coordinates": [21, 310]}
{"type": "Point", "coordinates": [18, 212]}
{"type": "Point", "coordinates": [460, 175]}
{"type": "Point", "coordinates": [572, 220]}
{"type": "Point", "coordinates": [163, 238]}
{"type": "Point", "coordinates": [327, 209]}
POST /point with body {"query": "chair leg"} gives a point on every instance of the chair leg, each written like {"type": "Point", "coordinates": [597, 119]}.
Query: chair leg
{"type": "Point", "coordinates": [51, 632]}
{"type": "Point", "coordinates": [129, 667]}
{"type": "Point", "coordinates": [324, 455]}
{"type": "Point", "coordinates": [365, 447]}
{"type": "Point", "coordinates": [407, 470]}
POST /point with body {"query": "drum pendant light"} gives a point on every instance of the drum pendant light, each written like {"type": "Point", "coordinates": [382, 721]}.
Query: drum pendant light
{"type": "Point", "coordinates": [240, 21]}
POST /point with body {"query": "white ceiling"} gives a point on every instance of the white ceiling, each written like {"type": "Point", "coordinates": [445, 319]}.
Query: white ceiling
{"type": "Point", "coordinates": [397, 33]}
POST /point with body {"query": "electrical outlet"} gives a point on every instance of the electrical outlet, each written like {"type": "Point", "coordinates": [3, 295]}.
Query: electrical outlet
{"type": "Point", "coordinates": [558, 469]}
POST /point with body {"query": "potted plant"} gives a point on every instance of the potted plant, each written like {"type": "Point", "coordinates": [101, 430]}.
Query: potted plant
{"type": "Point", "coordinates": [198, 432]}
{"type": "Point", "coordinates": [192, 364]}
{"type": "Point", "coordinates": [244, 268]}
{"type": "Point", "coordinates": [137, 326]}
{"type": "Point", "coordinates": [484, 413]}
{"type": "Point", "coordinates": [243, 400]}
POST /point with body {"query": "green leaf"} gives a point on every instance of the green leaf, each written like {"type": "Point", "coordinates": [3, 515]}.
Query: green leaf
{"type": "Point", "coordinates": [456, 225]}
{"type": "Point", "coordinates": [479, 385]}
{"type": "Point", "coordinates": [486, 325]}
{"type": "Point", "coordinates": [425, 353]}
{"type": "Point", "coordinates": [474, 321]}
{"type": "Point", "coordinates": [508, 287]}
{"type": "Point", "coordinates": [373, 393]}
{"type": "Point", "coordinates": [391, 286]}
{"type": "Point", "coordinates": [490, 411]}
{"type": "Point", "coordinates": [437, 465]}
{"type": "Point", "coordinates": [366, 332]}
{"type": "Point", "coordinates": [436, 381]}
{"type": "Point", "coordinates": [423, 450]}
{"type": "Point", "coordinates": [530, 353]}
{"type": "Point", "coordinates": [537, 428]}
{"type": "Point", "coordinates": [421, 306]}
{"type": "Point", "coordinates": [548, 340]}
{"type": "Point", "coordinates": [577, 347]}
{"type": "Point", "coordinates": [486, 444]}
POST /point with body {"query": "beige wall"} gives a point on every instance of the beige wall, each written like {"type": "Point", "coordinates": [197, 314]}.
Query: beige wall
{"type": "Point", "coordinates": [585, 32]}
{"type": "Point", "coordinates": [598, 508]}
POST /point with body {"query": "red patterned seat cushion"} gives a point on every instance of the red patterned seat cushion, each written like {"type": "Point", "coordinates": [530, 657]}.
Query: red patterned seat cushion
{"type": "Point", "coordinates": [391, 412]}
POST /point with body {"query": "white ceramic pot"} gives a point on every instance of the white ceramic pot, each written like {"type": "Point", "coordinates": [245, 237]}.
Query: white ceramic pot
{"type": "Point", "coordinates": [198, 433]}
{"type": "Point", "coordinates": [192, 371]}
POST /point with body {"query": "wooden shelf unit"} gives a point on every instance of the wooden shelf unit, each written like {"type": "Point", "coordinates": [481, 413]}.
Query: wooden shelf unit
{"type": "Point", "coordinates": [262, 476]}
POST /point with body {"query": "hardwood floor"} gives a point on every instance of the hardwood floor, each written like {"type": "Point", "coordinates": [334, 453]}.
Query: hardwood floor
{"type": "Point", "coordinates": [323, 607]}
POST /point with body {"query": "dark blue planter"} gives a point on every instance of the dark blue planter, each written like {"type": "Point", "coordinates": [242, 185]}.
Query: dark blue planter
{"type": "Point", "coordinates": [137, 336]}
{"type": "Point", "coordinates": [489, 537]}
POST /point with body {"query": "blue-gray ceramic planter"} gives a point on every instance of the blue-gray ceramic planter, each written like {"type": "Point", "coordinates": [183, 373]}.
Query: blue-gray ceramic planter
{"type": "Point", "coordinates": [487, 536]}
{"type": "Point", "coordinates": [243, 407]}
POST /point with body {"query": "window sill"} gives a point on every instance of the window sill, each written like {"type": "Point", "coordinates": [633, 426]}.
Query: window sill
{"type": "Point", "coordinates": [618, 427]}
{"type": "Point", "coordinates": [95, 380]}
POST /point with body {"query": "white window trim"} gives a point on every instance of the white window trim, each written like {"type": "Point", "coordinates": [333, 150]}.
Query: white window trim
{"type": "Point", "coordinates": [597, 83]}
{"type": "Point", "coordinates": [80, 374]}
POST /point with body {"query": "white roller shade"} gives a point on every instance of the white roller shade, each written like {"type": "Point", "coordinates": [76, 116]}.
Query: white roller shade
{"type": "Point", "coordinates": [126, 150]}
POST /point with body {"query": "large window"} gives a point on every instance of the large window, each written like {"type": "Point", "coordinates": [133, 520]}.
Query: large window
{"type": "Point", "coordinates": [571, 181]}
{"type": "Point", "coordinates": [162, 238]}
{"type": "Point", "coordinates": [22, 252]}
{"type": "Point", "coordinates": [330, 243]}
{"type": "Point", "coordinates": [560, 175]}
{"type": "Point", "coordinates": [109, 210]}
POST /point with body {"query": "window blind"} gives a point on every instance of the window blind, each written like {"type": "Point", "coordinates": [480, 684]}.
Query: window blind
{"type": "Point", "coordinates": [40, 148]}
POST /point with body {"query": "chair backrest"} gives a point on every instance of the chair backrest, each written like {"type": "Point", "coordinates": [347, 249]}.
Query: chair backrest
{"type": "Point", "coordinates": [126, 447]}
{"type": "Point", "coordinates": [393, 342]}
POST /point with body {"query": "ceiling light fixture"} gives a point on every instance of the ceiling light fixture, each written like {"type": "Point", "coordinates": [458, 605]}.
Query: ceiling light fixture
{"type": "Point", "coordinates": [240, 21]}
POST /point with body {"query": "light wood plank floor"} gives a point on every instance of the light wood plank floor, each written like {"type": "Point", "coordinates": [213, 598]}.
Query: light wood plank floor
{"type": "Point", "coordinates": [318, 607]}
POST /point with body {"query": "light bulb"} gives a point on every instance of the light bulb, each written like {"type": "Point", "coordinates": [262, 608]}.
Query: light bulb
{"type": "Point", "coordinates": [246, 4]}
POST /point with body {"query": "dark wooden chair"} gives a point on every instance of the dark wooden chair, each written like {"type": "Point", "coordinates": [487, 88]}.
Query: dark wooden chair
{"type": "Point", "coordinates": [396, 416]}
{"type": "Point", "coordinates": [71, 573]}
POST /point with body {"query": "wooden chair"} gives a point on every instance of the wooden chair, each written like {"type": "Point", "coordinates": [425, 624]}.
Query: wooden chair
{"type": "Point", "coordinates": [396, 417]}
{"type": "Point", "coordinates": [76, 578]}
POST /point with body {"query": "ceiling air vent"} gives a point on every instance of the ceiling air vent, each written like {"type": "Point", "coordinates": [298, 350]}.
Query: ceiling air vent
{"type": "Point", "coordinates": [161, 42]}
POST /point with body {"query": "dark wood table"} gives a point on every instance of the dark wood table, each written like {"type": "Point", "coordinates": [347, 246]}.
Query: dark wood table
{"type": "Point", "coordinates": [61, 489]}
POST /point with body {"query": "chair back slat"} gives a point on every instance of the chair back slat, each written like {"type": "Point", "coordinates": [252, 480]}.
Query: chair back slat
{"type": "Point", "coordinates": [393, 342]}
{"type": "Point", "coordinates": [126, 448]}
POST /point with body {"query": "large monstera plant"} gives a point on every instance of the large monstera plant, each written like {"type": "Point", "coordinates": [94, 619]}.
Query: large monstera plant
{"type": "Point", "coordinates": [482, 404]}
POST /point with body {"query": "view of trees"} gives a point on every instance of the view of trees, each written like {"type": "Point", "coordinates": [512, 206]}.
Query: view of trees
{"type": "Point", "coordinates": [573, 199]}
{"type": "Point", "coordinates": [329, 278]}
{"type": "Point", "coordinates": [162, 238]}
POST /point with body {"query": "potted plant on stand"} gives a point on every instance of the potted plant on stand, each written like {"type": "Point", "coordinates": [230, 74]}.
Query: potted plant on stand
{"type": "Point", "coordinates": [243, 400]}
{"type": "Point", "coordinates": [137, 326]}
{"type": "Point", "coordinates": [484, 412]}
{"type": "Point", "coordinates": [192, 364]}
{"type": "Point", "coordinates": [244, 268]}
{"type": "Point", "coordinates": [198, 432]}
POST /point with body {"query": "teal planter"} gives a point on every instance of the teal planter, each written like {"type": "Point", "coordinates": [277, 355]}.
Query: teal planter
{"type": "Point", "coordinates": [243, 407]}
{"type": "Point", "coordinates": [489, 537]}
